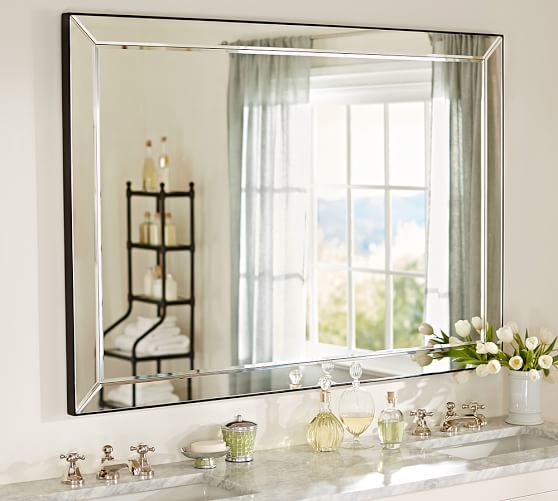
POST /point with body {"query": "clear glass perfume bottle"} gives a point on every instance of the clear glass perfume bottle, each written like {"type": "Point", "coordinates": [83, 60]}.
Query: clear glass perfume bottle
{"type": "Point", "coordinates": [391, 424]}
{"type": "Point", "coordinates": [356, 409]}
{"type": "Point", "coordinates": [325, 432]}
{"type": "Point", "coordinates": [149, 170]}
{"type": "Point", "coordinates": [164, 165]}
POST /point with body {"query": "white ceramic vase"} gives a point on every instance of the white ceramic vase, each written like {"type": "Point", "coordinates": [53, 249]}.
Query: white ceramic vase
{"type": "Point", "coordinates": [524, 399]}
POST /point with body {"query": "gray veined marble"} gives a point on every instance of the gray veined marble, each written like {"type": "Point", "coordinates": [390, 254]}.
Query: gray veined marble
{"type": "Point", "coordinates": [298, 473]}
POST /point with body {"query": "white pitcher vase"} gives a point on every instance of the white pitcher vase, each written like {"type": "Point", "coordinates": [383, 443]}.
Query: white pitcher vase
{"type": "Point", "coordinates": [524, 399]}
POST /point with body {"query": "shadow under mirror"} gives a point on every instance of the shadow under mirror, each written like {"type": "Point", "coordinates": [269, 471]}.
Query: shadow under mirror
{"type": "Point", "coordinates": [260, 208]}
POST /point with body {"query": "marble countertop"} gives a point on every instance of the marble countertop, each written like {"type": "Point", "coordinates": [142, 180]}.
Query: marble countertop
{"type": "Point", "coordinates": [299, 473]}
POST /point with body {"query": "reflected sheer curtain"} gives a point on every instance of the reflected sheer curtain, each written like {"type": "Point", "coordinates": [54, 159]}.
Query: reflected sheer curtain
{"type": "Point", "coordinates": [454, 235]}
{"type": "Point", "coordinates": [269, 175]}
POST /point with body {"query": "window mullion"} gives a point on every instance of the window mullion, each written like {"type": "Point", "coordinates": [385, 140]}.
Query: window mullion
{"type": "Point", "coordinates": [351, 335]}
{"type": "Point", "coordinates": [388, 320]}
{"type": "Point", "coordinates": [313, 254]}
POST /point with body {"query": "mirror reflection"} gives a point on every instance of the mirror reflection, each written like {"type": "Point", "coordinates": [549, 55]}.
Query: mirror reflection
{"type": "Point", "coordinates": [262, 208]}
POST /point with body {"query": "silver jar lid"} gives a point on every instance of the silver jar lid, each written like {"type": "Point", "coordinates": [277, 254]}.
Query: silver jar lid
{"type": "Point", "coordinates": [240, 424]}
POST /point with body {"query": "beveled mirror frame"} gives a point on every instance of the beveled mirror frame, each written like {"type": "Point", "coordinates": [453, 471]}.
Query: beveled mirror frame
{"type": "Point", "coordinates": [76, 405]}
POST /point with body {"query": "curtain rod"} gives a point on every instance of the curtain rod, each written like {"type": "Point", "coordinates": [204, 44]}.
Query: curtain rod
{"type": "Point", "coordinates": [359, 31]}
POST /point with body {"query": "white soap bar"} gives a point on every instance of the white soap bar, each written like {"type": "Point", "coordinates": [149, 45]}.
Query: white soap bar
{"type": "Point", "coordinates": [208, 446]}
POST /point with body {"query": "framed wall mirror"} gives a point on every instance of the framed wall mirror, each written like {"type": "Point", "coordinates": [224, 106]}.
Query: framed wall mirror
{"type": "Point", "coordinates": [250, 204]}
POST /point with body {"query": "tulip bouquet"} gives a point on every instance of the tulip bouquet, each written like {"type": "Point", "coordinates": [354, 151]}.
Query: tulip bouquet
{"type": "Point", "coordinates": [504, 348]}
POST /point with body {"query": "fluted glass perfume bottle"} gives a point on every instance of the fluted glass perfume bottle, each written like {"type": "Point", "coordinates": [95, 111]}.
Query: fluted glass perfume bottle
{"type": "Point", "coordinates": [356, 410]}
{"type": "Point", "coordinates": [325, 432]}
{"type": "Point", "coordinates": [391, 425]}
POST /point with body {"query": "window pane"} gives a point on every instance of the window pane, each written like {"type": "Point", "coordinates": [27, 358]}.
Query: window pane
{"type": "Point", "coordinates": [370, 303]}
{"type": "Point", "coordinates": [369, 239]}
{"type": "Point", "coordinates": [408, 223]}
{"type": "Point", "coordinates": [408, 311]}
{"type": "Point", "coordinates": [332, 226]}
{"type": "Point", "coordinates": [406, 144]}
{"type": "Point", "coordinates": [367, 144]}
{"type": "Point", "coordinates": [330, 152]}
{"type": "Point", "coordinates": [332, 307]}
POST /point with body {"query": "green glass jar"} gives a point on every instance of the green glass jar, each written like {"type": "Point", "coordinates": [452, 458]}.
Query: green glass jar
{"type": "Point", "coordinates": [240, 437]}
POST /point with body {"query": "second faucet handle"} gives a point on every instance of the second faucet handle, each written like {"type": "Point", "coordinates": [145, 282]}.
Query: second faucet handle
{"type": "Point", "coordinates": [473, 406]}
{"type": "Point", "coordinates": [142, 449]}
{"type": "Point", "coordinates": [141, 467]}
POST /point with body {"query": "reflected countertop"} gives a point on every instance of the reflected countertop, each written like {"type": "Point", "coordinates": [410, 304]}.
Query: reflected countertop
{"type": "Point", "coordinates": [299, 473]}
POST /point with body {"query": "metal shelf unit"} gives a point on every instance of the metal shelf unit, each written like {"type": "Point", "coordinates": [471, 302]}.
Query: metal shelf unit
{"type": "Point", "coordinates": [161, 303]}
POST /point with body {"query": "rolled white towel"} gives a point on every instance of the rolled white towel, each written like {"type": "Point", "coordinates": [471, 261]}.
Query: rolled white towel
{"type": "Point", "coordinates": [156, 387]}
{"type": "Point", "coordinates": [134, 331]}
{"type": "Point", "coordinates": [119, 397]}
{"type": "Point", "coordinates": [149, 346]}
{"type": "Point", "coordinates": [147, 322]}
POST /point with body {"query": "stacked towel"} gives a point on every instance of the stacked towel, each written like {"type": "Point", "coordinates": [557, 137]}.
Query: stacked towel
{"type": "Point", "coordinates": [146, 394]}
{"type": "Point", "coordinates": [165, 339]}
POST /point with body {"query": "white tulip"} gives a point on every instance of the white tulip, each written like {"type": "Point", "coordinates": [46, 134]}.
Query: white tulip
{"type": "Point", "coordinates": [482, 370]}
{"type": "Point", "coordinates": [426, 329]}
{"type": "Point", "coordinates": [516, 363]}
{"type": "Point", "coordinates": [546, 336]}
{"type": "Point", "coordinates": [462, 377]}
{"type": "Point", "coordinates": [477, 323]}
{"type": "Point", "coordinates": [513, 326]}
{"type": "Point", "coordinates": [481, 348]}
{"type": "Point", "coordinates": [545, 361]}
{"type": "Point", "coordinates": [494, 366]}
{"type": "Point", "coordinates": [422, 358]}
{"type": "Point", "coordinates": [505, 334]}
{"type": "Point", "coordinates": [463, 328]}
{"type": "Point", "coordinates": [552, 375]}
{"type": "Point", "coordinates": [532, 342]}
{"type": "Point", "coordinates": [491, 348]}
{"type": "Point", "coordinates": [455, 341]}
{"type": "Point", "coordinates": [534, 375]}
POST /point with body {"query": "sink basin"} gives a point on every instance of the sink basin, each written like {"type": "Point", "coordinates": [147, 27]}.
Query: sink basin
{"type": "Point", "coordinates": [478, 447]}
{"type": "Point", "coordinates": [192, 492]}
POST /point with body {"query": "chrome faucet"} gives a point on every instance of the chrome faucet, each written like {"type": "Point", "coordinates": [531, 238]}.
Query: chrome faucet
{"type": "Point", "coordinates": [109, 469]}
{"type": "Point", "coordinates": [473, 421]}
{"type": "Point", "coordinates": [140, 467]}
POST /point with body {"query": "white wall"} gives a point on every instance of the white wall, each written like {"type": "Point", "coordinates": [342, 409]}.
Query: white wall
{"type": "Point", "coordinates": [35, 428]}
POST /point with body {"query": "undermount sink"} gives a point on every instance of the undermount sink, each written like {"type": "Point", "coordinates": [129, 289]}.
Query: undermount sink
{"type": "Point", "coordinates": [191, 492]}
{"type": "Point", "coordinates": [479, 446]}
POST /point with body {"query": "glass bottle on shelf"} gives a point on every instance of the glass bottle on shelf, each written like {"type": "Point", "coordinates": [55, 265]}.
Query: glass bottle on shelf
{"type": "Point", "coordinates": [325, 432]}
{"type": "Point", "coordinates": [170, 230]}
{"type": "Point", "coordinates": [145, 229]}
{"type": "Point", "coordinates": [148, 279]}
{"type": "Point", "coordinates": [391, 424]}
{"type": "Point", "coordinates": [164, 165]}
{"type": "Point", "coordinates": [356, 409]}
{"type": "Point", "coordinates": [149, 170]}
{"type": "Point", "coordinates": [155, 230]}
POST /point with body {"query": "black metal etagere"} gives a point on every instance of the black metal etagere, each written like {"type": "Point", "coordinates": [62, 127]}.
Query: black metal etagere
{"type": "Point", "coordinates": [162, 250]}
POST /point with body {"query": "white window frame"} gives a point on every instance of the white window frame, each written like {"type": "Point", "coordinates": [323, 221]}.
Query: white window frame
{"type": "Point", "coordinates": [364, 84]}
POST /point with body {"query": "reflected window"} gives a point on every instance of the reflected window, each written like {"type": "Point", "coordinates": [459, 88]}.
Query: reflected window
{"type": "Point", "coordinates": [367, 258]}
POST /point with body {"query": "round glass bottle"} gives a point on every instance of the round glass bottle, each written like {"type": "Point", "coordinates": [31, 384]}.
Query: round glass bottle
{"type": "Point", "coordinates": [356, 410]}
{"type": "Point", "coordinates": [325, 432]}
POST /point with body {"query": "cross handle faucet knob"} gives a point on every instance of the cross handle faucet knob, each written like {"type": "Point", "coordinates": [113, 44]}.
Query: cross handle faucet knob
{"type": "Point", "coordinates": [72, 457]}
{"type": "Point", "coordinates": [473, 406]}
{"type": "Point", "coordinates": [142, 449]}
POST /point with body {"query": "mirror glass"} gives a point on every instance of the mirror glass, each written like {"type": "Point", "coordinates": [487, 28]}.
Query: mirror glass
{"type": "Point", "coordinates": [245, 201]}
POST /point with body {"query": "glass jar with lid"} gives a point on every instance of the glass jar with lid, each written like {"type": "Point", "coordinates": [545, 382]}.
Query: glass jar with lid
{"type": "Point", "coordinates": [240, 437]}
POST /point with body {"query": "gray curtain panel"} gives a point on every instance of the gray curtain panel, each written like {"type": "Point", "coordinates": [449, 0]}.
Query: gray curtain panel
{"type": "Point", "coordinates": [266, 97]}
{"type": "Point", "coordinates": [461, 84]}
